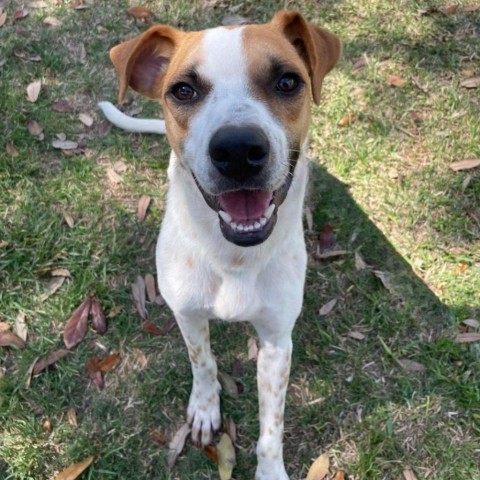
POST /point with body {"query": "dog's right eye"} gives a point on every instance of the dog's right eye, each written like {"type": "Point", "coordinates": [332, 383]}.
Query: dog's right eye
{"type": "Point", "coordinates": [183, 91]}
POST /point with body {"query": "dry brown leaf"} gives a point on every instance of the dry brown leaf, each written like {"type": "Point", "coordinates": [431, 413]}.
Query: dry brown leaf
{"type": "Point", "coordinates": [471, 322]}
{"type": "Point", "coordinates": [152, 329]}
{"type": "Point", "coordinates": [395, 81]}
{"type": "Point", "coordinates": [9, 339]}
{"type": "Point", "coordinates": [33, 90]}
{"type": "Point", "coordinates": [226, 457]}
{"type": "Point", "coordinates": [319, 468]}
{"type": "Point", "coordinates": [140, 12]}
{"type": "Point", "coordinates": [77, 325]}
{"type": "Point", "coordinates": [4, 243]}
{"type": "Point", "coordinates": [449, 10]}
{"type": "Point", "coordinates": [412, 366]}
{"type": "Point", "coordinates": [62, 106]}
{"type": "Point", "coordinates": [340, 475]}
{"type": "Point", "coordinates": [177, 443]}
{"type": "Point", "coordinates": [328, 307]}
{"type": "Point", "coordinates": [466, 182]}
{"type": "Point", "coordinates": [95, 373]}
{"type": "Point", "coordinates": [228, 383]}
{"type": "Point", "coordinates": [360, 64]}
{"type": "Point", "coordinates": [52, 286]}
{"type": "Point", "coordinates": [473, 82]}
{"type": "Point", "coordinates": [99, 321]}
{"type": "Point", "coordinates": [469, 337]}
{"type": "Point", "coordinates": [359, 262]}
{"type": "Point", "coordinates": [143, 205]}
{"type": "Point", "coordinates": [234, 20]}
{"type": "Point", "coordinates": [138, 291]}
{"type": "Point", "coordinates": [120, 166]}
{"type": "Point", "coordinates": [157, 437]}
{"type": "Point", "coordinates": [42, 363]}
{"type": "Point", "coordinates": [347, 119]}
{"type": "Point", "coordinates": [169, 326]}
{"type": "Point", "coordinates": [211, 452]}
{"type": "Point", "coordinates": [113, 176]}
{"type": "Point", "coordinates": [4, 326]}
{"type": "Point", "coordinates": [3, 18]}
{"type": "Point", "coordinates": [231, 429]}
{"type": "Point", "coordinates": [53, 22]}
{"type": "Point", "coordinates": [68, 219]}
{"type": "Point", "coordinates": [465, 164]}
{"type": "Point", "coordinates": [38, 4]}
{"type": "Point", "coordinates": [20, 329]}
{"type": "Point", "coordinates": [356, 335]}
{"type": "Point", "coordinates": [19, 14]}
{"type": "Point", "coordinates": [86, 119]}
{"type": "Point", "coordinates": [309, 217]}
{"type": "Point", "coordinates": [150, 287]}
{"type": "Point", "coordinates": [109, 362]}
{"type": "Point", "coordinates": [47, 425]}
{"type": "Point", "coordinates": [326, 237]}
{"type": "Point", "coordinates": [141, 361]}
{"type": "Point", "coordinates": [64, 144]}
{"type": "Point", "coordinates": [74, 471]}
{"type": "Point", "coordinates": [60, 272]}
{"type": "Point", "coordinates": [11, 150]}
{"type": "Point", "coordinates": [34, 127]}
{"type": "Point", "coordinates": [386, 280]}
{"type": "Point", "coordinates": [72, 417]}
{"type": "Point", "coordinates": [252, 348]}
{"type": "Point", "coordinates": [471, 8]}
{"type": "Point", "coordinates": [409, 475]}
{"type": "Point", "coordinates": [329, 254]}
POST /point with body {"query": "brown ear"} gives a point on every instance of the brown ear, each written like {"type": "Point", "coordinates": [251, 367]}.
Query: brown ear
{"type": "Point", "coordinates": [142, 61]}
{"type": "Point", "coordinates": [319, 49]}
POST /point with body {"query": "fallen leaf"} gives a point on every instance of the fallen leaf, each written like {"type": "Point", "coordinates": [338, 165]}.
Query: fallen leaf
{"type": "Point", "coordinates": [412, 366]}
{"type": "Point", "coordinates": [471, 322]}
{"type": "Point", "coordinates": [329, 254]}
{"type": "Point", "coordinates": [409, 475]}
{"type": "Point", "coordinates": [68, 219]}
{"type": "Point", "coordinates": [11, 150]}
{"type": "Point", "coordinates": [95, 373]}
{"type": "Point", "coordinates": [64, 144]}
{"type": "Point", "coordinates": [326, 237]}
{"type": "Point", "coordinates": [120, 166]}
{"type": "Point", "coordinates": [466, 182]}
{"type": "Point", "coordinates": [237, 369]}
{"type": "Point", "coordinates": [359, 64]}
{"type": "Point", "coordinates": [211, 452]}
{"type": "Point", "coordinates": [38, 4]}
{"type": "Point", "coordinates": [52, 286]}
{"type": "Point", "coordinates": [159, 300]}
{"type": "Point", "coordinates": [72, 417]}
{"type": "Point", "coordinates": [328, 307]}
{"type": "Point", "coordinates": [34, 127]}
{"type": "Point", "coordinates": [415, 117]}
{"type": "Point", "coordinates": [471, 8]}
{"type": "Point", "coordinates": [395, 81]}
{"type": "Point", "coordinates": [138, 291]}
{"type": "Point", "coordinates": [468, 73]}
{"type": "Point", "coordinates": [47, 425]}
{"type": "Point", "coordinates": [140, 13]}
{"type": "Point", "coordinates": [234, 20]}
{"type": "Point", "coordinates": [4, 326]}
{"type": "Point", "coordinates": [450, 10]}
{"type": "Point", "coordinates": [469, 337]}
{"type": "Point", "coordinates": [226, 457]}
{"type": "Point", "coordinates": [60, 272]}
{"type": "Point", "coordinates": [465, 164]}
{"type": "Point", "coordinates": [52, 22]}
{"type": "Point", "coordinates": [9, 339]}
{"type": "Point", "coordinates": [340, 475]}
{"type": "Point", "coordinates": [20, 329]}
{"type": "Point", "coordinates": [109, 362]}
{"type": "Point", "coordinates": [19, 14]}
{"type": "Point", "coordinates": [359, 262]}
{"type": "Point", "coordinates": [177, 443]}
{"type": "Point", "coordinates": [4, 243]}
{"type": "Point", "coordinates": [252, 348]}
{"type": "Point", "coordinates": [113, 176]}
{"type": "Point", "coordinates": [152, 329]}
{"type": "Point", "coordinates": [231, 429]}
{"type": "Point", "coordinates": [77, 325]}
{"type": "Point", "coordinates": [115, 311]}
{"type": "Point", "coordinates": [473, 82]}
{"type": "Point", "coordinates": [308, 217]}
{"type": "Point", "coordinates": [99, 322]}
{"type": "Point", "coordinates": [150, 287]}
{"type": "Point", "coordinates": [33, 90]}
{"type": "Point", "coordinates": [143, 205]}
{"type": "Point", "coordinates": [157, 437]}
{"type": "Point", "coordinates": [62, 106]}
{"type": "Point", "coordinates": [346, 119]}
{"type": "Point", "coordinates": [319, 468]}
{"type": "Point", "coordinates": [3, 18]}
{"type": "Point", "coordinates": [141, 361]}
{"type": "Point", "coordinates": [386, 280]}
{"type": "Point", "coordinates": [86, 119]}
{"type": "Point", "coordinates": [42, 363]}
{"type": "Point", "coordinates": [356, 335]}
{"type": "Point", "coordinates": [169, 326]}
{"type": "Point", "coordinates": [228, 383]}
{"type": "Point", "coordinates": [74, 471]}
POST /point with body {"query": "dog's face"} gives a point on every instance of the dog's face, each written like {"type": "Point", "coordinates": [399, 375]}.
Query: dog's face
{"type": "Point", "coordinates": [237, 106]}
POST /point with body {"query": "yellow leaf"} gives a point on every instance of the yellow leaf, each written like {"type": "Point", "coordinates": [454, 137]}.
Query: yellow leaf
{"type": "Point", "coordinates": [73, 471]}
{"type": "Point", "coordinates": [319, 468]}
{"type": "Point", "coordinates": [33, 90]}
{"type": "Point", "coordinates": [226, 457]}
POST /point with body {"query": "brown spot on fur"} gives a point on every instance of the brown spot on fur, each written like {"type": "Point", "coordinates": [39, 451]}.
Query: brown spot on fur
{"type": "Point", "coordinates": [238, 260]}
{"type": "Point", "coordinates": [190, 262]}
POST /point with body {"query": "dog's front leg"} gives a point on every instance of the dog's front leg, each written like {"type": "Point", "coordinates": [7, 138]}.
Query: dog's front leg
{"type": "Point", "coordinates": [273, 371]}
{"type": "Point", "coordinates": [204, 405]}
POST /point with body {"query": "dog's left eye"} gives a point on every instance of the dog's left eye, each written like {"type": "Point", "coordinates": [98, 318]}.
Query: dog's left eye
{"type": "Point", "coordinates": [288, 83]}
{"type": "Point", "coordinates": [184, 92]}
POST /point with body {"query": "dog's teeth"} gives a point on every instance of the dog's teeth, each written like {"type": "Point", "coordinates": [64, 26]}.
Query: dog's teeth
{"type": "Point", "coordinates": [225, 216]}
{"type": "Point", "coordinates": [233, 225]}
{"type": "Point", "coordinates": [257, 225]}
{"type": "Point", "coordinates": [240, 227]}
{"type": "Point", "coordinates": [263, 221]}
{"type": "Point", "coordinates": [269, 211]}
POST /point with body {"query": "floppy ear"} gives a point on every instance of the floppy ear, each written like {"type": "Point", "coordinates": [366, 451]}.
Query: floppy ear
{"type": "Point", "coordinates": [319, 49]}
{"type": "Point", "coordinates": [142, 61]}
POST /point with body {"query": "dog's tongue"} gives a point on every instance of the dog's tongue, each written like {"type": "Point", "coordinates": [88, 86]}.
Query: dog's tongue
{"type": "Point", "coordinates": [245, 204]}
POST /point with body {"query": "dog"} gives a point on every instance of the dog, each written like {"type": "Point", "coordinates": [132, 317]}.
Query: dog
{"type": "Point", "coordinates": [236, 103]}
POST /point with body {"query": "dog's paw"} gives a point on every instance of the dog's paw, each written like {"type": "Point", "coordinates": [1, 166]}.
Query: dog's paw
{"type": "Point", "coordinates": [275, 472]}
{"type": "Point", "coordinates": [204, 413]}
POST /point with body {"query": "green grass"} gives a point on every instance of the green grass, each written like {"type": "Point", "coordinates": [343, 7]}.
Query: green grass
{"type": "Point", "coordinates": [383, 182]}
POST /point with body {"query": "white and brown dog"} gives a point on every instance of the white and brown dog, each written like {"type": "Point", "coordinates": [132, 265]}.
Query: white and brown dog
{"type": "Point", "coordinates": [236, 102]}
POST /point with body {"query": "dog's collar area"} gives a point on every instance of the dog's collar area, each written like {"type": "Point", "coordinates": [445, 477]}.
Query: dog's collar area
{"type": "Point", "coordinates": [252, 221]}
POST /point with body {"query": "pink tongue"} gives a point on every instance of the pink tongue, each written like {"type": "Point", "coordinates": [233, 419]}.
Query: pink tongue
{"type": "Point", "coordinates": [245, 204]}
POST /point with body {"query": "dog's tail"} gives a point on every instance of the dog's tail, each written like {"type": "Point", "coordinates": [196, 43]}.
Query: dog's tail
{"type": "Point", "coordinates": [138, 125]}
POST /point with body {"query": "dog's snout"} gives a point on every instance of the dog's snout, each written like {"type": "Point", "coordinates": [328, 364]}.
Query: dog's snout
{"type": "Point", "coordinates": [239, 152]}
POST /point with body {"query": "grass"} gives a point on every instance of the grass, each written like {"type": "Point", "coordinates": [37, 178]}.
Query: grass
{"type": "Point", "coordinates": [383, 182]}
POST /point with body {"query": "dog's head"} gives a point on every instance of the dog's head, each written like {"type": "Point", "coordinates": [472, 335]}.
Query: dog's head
{"type": "Point", "coordinates": [237, 106]}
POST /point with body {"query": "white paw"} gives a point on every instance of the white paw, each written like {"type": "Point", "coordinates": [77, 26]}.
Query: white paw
{"type": "Point", "coordinates": [272, 472]}
{"type": "Point", "coordinates": [204, 413]}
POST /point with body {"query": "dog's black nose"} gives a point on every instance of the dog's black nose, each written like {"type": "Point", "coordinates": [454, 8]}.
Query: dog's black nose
{"type": "Point", "coordinates": [239, 152]}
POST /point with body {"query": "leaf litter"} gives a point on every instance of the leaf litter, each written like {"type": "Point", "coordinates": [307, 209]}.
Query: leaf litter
{"type": "Point", "coordinates": [319, 469]}
{"type": "Point", "coordinates": [77, 325]}
{"type": "Point", "coordinates": [226, 457]}
{"type": "Point", "coordinates": [75, 470]}
{"type": "Point", "coordinates": [177, 443]}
